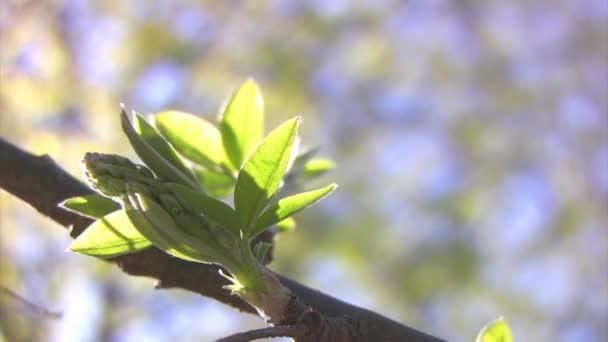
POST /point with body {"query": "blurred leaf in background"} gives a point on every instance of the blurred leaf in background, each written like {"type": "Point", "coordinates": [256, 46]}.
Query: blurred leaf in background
{"type": "Point", "coordinates": [470, 140]}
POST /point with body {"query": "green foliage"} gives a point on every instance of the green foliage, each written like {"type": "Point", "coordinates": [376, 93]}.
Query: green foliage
{"type": "Point", "coordinates": [496, 331]}
{"type": "Point", "coordinates": [216, 184]}
{"type": "Point", "coordinates": [211, 208]}
{"type": "Point", "coordinates": [286, 225]}
{"type": "Point", "coordinates": [307, 168]}
{"type": "Point", "coordinates": [193, 137]}
{"type": "Point", "coordinates": [158, 226]}
{"type": "Point", "coordinates": [93, 206]}
{"type": "Point", "coordinates": [288, 206]}
{"type": "Point", "coordinates": [242, 123]}
{"type": "Point", "coordinates": [317, 167]}
{"type": "Point", "coordinates": [454, 142]}
{"type": "Point", "coordinates": [110, 236]}
{"type": "Point", "coordinates": [150, 135]}
{"type": "Point", "coordinates": [174, 208]}
{"type": "Point", "coordinates": [262, 173]}
{"type": "Point", "coordinates": [154, 151]}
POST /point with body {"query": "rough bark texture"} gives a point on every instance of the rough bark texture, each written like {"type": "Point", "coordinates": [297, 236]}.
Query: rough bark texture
{"type": "Point", "coordinates": [40, 182]}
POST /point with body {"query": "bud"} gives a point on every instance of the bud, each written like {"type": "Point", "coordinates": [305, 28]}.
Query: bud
{"type": "Point", "coordinates": [116, 176]}
{"type": "Point", "coordinates": [110, 174]}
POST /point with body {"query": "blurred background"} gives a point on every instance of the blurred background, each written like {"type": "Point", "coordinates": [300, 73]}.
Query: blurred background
{"type": "Point", "coordinates": [471, 142]}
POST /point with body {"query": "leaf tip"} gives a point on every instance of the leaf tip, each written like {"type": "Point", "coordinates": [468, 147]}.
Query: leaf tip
{"type": "Point", "coordinates": [124, 119]}
{"type": "Point", "coordinates": [497, 330]}
{"type": "Point", "coordinates": [295, 123]}
{"type": "Point", "coordinates": [253, 84]}
{"type": "Point", "coordinates": [250, 82]}
{"type": "Point", "coordinates": [73, 248]}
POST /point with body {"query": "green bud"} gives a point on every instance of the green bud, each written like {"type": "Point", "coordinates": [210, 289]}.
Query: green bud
{"type": "Point", "coordinates": [110, 173]}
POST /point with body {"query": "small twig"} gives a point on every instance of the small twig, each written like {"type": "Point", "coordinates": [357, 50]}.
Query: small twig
{"type": "Point", "coordinates": [278, 331]}
{"type": "Point", "coordinates": [36, 308]}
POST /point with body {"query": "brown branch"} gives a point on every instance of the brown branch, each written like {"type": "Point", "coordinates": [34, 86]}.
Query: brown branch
{"type": "Point", "coordinates": [41, 183]}
{"type": "Point", "coordinates": [31, 306]}
{"type": "Point", "coordinates": [278, 331]}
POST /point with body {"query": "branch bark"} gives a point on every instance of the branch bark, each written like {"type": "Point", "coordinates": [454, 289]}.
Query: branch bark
{"type": "Point", "coordinates": [41, 183]}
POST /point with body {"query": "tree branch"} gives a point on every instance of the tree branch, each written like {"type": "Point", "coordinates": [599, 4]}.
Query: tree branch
{"type": "Point", "coordinates": [29, 305]}
{"type": "Point", "coordinates": [41, 183]}
{"type": "Point", "coordinates": [278, 331]}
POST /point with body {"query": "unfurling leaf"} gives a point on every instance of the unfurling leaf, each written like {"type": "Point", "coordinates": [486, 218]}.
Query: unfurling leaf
{"type": "Point", "coordinates": [153, 222]}
{"type": "Point", "coordinates": [288, 206]}
{"type": "Point", "coordinates": [216, 184]}
{"type": "Point", "coordinates": [158, 143]}
{"type": "Point", "coordinates": [242, 123]}
{"type": "Point", "coordinates": [110, 236]}
{"type": "Point", "coordinates": [93, 206]}
{"type": "Point", "coordinates": [154, 151]}
{"type": "Point", "coordinates": [193, 137]}
{"type": "Point", "coordinates": [261, 174]}
{"type": "Point", "coordinates": [210, 207]}
{"type": "Point", "coordinates": [496, 331]}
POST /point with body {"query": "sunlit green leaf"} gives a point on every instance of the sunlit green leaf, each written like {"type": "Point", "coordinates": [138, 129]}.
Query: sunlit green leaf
{"type": "Point", "coordinates": [216, 184]}
{"type": "Point", "coordinates": [110, 236]}
{"type": "Point", "coordinates": [301, 159]}
{"type": "Point", "coordinates": [288, 206]}
{"type": "Point", "coordinates": [94, 205]}
{"type": "Point", "coordinates": [316, 167]}
{"type": "Point", "coordinates": [306, 168]}
{"type": "Point", "coordinates": [146, 149]}
{"type": "Point", "coordinates": [160, 145]}
{"type": "Point", "coordinates": [496, 331]}
{"type": "Point", "coordinates": [242, 123]}
{"type": "Point", "coordinates": [193, 137]}
{"type": "Point", "coordinates": [261, 174]}
{"type": "Point", "coordinates": [210, 207]}
{"type": "Point", "coordinates": [287, 224]}
{"type": "Point", "coordinates": [153, 222]}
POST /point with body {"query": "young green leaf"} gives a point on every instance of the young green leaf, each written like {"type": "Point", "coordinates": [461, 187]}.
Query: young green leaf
{"type": "Point", "coordinates": [216, 184]}
{"type": "Point", "coordinates": [301, 159]}
{"type": "Point", "coordinates": [306, 168]}
{"type": "Point", "coordinates": [496, 331]}
{"type": "Point", "coordinates": [110, 236]}
{"type": "Point", "coordinates": [316, 167]}
{"type": "Point", "coordinates": [213, 209]}
{"type": "Point", "coordinates": [158, 143]}
{"type": "Point", "coordinates": [146, 144]}
{"type": "Point", "coordinates": [144, 226]}
{"type": "Point", "coordinates": [288, 206]}
{"type": "Point", "coordinates": [242, 122]}
{"type": "Point", "coordinates": [193, 137]}
{"type": "Point", "coordinates": [153, 222]}
{"type": "Point", "coordinates": [286, 225]}
{"type": "Point", "coordinates": [93, 206]}
{"type": "Point", "coordinates": [261, 174]}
